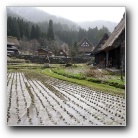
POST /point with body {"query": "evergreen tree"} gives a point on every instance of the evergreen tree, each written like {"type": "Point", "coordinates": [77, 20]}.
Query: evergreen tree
{"type": "Point", "coordinates": [81, 34]}
{"type": "Point", "coordinates": [15, 28]}
{"type": "Point", "coordinates": [32, 35]}
{"type": "Point", "coordinates": [74, 50]}
{"type": "Point", "coordinates": [50, 33]}
{"type": "Point", "coordinates": [27, 30]}
{"type": "Point", "coordinates": [37, 32]}
{"type": "Point", "coordinates": [9, 26]}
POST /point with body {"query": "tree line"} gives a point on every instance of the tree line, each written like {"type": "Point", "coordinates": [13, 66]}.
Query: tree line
{"type": "Point", "coordinates": [52, 31]}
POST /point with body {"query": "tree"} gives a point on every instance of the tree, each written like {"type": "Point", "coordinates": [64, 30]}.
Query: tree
{"type": "Point", "coordinates": [74, 50]}
{"type": "Point", "coordinates": [81, 34]}
{"type": "Point", "coordinates": [37, 32]}
{"type": "Point", "coordinates": [9, 26]}
{"type": "Point", "coordinates": [32, 35]}
{"type": "Point", "coordinates": [50, 33]}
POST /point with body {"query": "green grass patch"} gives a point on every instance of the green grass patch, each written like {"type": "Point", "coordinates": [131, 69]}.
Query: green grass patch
{"type": "Point", "coordinates": [95, 86]}
{"type": "Point", "coordinates": [114, 83]}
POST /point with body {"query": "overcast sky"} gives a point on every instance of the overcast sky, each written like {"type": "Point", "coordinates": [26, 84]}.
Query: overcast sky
{"type": "Point", "coordinates": [78, 14]}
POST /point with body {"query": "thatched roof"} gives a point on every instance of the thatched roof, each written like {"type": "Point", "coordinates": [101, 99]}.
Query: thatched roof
{"type": "Point", "coordinates": [42, 49]}
{"type": "Point", "coordinates": [115, 34]}
{"type": "Point", "coordinates": [102, 41]}
{"type": "Point", "coordinates": [12, 41]}
{"type": "Point", "coordinates": [85, 45]}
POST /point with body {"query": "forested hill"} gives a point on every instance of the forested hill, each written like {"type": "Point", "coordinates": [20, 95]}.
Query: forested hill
{"type": "Point", "coordinates": [26, 30]}
{"type": "Point", "coordinates": [37, 16]}
{"type": "Point", "coordinates": [22, 29]}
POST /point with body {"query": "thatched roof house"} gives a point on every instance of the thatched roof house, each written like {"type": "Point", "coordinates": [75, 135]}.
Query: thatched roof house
{"type": "Point", "coordinates": [111, 52]}
{"type": "Point", "coordinates": [114, 39]}
{"type": "Point", "coordinates": [100, 44]}
{"type": "Point", "coordinates": [12, 41]}
{"type": "Point", "coordinates": [62, 52]}
{"type": "Point", "coordinates": [85, 46]}
{"type": "Point", "coordinates": [98, 53]}
{"type": "Point", "coordinates": [43, 52]}
{"type": "Point", "coordinates": [12, 46]}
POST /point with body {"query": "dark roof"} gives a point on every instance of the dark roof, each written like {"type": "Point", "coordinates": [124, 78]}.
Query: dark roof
{"type": "Point", "coordinates": [102, 41]}
{"type": "Point", "coordinates": [115, 34]}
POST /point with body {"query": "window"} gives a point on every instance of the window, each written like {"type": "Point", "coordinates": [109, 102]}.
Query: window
{"type": "Point", "coordinates": [85, 44]}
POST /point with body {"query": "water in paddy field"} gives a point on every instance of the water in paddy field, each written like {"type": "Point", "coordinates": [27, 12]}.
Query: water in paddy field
{"type": "Point", "coordinates": [53, 102]}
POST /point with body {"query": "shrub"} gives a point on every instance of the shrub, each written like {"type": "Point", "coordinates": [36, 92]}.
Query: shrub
{"type": "Point", "coordinates": [68, 65]}
{"type": "Point", "coordinates": [93, 73]}
{"type": "Point", "coordinates": [94, 80]}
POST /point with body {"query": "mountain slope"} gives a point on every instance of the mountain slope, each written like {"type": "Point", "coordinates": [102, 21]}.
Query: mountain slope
{"type": "Point", "coordinates": [38, 16]}
{"type": "Point", "coordinates": [99, 24]}
{"type": "Point", "coordinates": [35, 15]}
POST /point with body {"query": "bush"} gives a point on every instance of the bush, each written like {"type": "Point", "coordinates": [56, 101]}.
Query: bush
{"type": "Point", "coordinates": [68, 65]}
{"type": "Point", "coordinates": [93, 73]}
{"type": "Point", "coordinates": [94, 80]}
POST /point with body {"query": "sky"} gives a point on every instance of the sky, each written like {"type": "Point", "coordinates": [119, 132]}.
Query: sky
{"type": "Point", "coordinates": [78, 14]}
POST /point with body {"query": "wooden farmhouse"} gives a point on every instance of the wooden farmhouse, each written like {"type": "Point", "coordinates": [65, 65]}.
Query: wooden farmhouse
{"type": "Point", "coordinates": [62, 52]}
{"type": "Point", "coordinates": [85, 47]}
{"type": "Point", "coordinates": [43, 52]}
{"type": "Point", "coordinates": [98, 53]}
{"type": "Point", "coordinates": [112, 51]}
{"type": "Point", "coordinates": [12, 46]}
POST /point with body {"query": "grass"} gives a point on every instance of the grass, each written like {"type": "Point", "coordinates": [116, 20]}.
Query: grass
{"type": "Point", "coordinates": [95, 86]}
{"type": "Point", "coordinates": [80, 76]}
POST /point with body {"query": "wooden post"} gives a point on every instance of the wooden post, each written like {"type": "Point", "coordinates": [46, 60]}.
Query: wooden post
{"type": "Point", "coordinates": [122, 58]}
{"type": "Point", "coordinates": [107, 56]}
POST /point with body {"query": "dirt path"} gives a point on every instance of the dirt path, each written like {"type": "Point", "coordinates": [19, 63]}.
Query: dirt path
{"type": "Point", "coordinates": [42, 100]}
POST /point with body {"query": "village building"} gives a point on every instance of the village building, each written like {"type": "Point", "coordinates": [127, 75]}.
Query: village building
{"type": "Point", "coordinates": [85, 47]}
{"type": "Point", "coordinates": [112, 52]}
{"type": "Point", "coordinates": [63, 53]}
{"type": "Point", "coordinates": [43, 52]}
{"type": "Point", "coordinates": [12, 46]}
{"type": "Point", "coordinates": [98, 53]}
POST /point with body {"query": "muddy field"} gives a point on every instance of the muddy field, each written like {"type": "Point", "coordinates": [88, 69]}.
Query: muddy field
{"type": "Point", "coordinates": [35, 99]}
